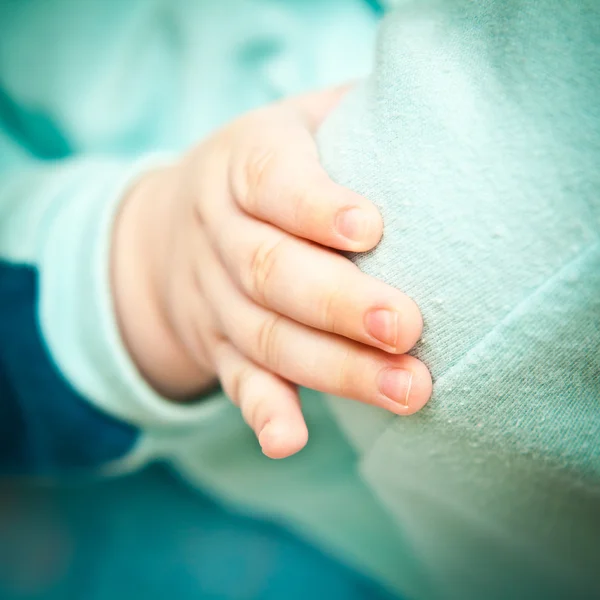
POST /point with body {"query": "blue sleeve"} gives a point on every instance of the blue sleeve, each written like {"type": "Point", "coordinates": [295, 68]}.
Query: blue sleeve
{"type": "Point", "coordinates": [46, 426]}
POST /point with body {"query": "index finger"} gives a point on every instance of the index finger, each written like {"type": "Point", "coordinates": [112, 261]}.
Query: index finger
{"type": "Point", "coordinates": [281, 181]}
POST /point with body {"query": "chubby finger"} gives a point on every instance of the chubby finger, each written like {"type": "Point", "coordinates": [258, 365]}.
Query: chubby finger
{"type": "Point", "coordinates": [269, 405]}
{"type": "Point", "coordinates": [311, 358]}
{"type": "Point", "coordinates": [278, 179]}
{"type": "Point", "coordinates": [317, 287]}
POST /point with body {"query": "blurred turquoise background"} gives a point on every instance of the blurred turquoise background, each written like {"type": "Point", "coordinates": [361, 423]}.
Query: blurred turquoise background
{"type": "Point", "coordinates": [149, 536]}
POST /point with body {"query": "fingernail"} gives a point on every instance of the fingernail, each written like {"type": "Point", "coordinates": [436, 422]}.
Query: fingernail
{"type": "Point", "coordinates": [382, 324]}
{"type": "Point", "coordinates": [395, 384]}
{"type": "Point", "coordinates": [354, 223]}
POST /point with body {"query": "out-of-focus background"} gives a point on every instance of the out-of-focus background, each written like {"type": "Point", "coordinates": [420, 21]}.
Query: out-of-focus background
{"type": "Point", "coordinates": [150, 536]}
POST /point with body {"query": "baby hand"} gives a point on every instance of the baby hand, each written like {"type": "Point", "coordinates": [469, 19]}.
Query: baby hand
{"type": "Point", "coordinates": [223, 268]}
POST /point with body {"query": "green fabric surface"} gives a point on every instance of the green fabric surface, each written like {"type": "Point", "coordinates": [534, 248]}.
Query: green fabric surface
{"type": "Point", "coordinates": [478, 136]}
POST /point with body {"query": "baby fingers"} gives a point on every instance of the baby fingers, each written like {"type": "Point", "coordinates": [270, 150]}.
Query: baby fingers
{"type": "Point", "coordinates": [317, 287]}
{"type": "Point", "coordinates": [269, 405]}
{"type": "Point", "coordinates": [277, 178]}
{"type": "Point", "coordinates": [311, 358]}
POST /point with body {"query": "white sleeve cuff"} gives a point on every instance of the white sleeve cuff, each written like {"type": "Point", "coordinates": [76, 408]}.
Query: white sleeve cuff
{"type": "Point", "coordinates": [77, 312]}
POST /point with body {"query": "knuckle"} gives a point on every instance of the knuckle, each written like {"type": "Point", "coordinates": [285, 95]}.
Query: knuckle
{"type": "Point", "coordinates": [260, 165]}
{"type": "Point", "coordinates": [263, 262]}
{"type": "Point", "coordinates": [330, 310]}
{"type": "Point", "coordinates": [267, 346]}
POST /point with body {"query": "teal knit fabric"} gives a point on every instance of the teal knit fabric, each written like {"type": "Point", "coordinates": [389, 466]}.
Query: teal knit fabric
{"type": "Point", "coordinates": [478, 136]}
